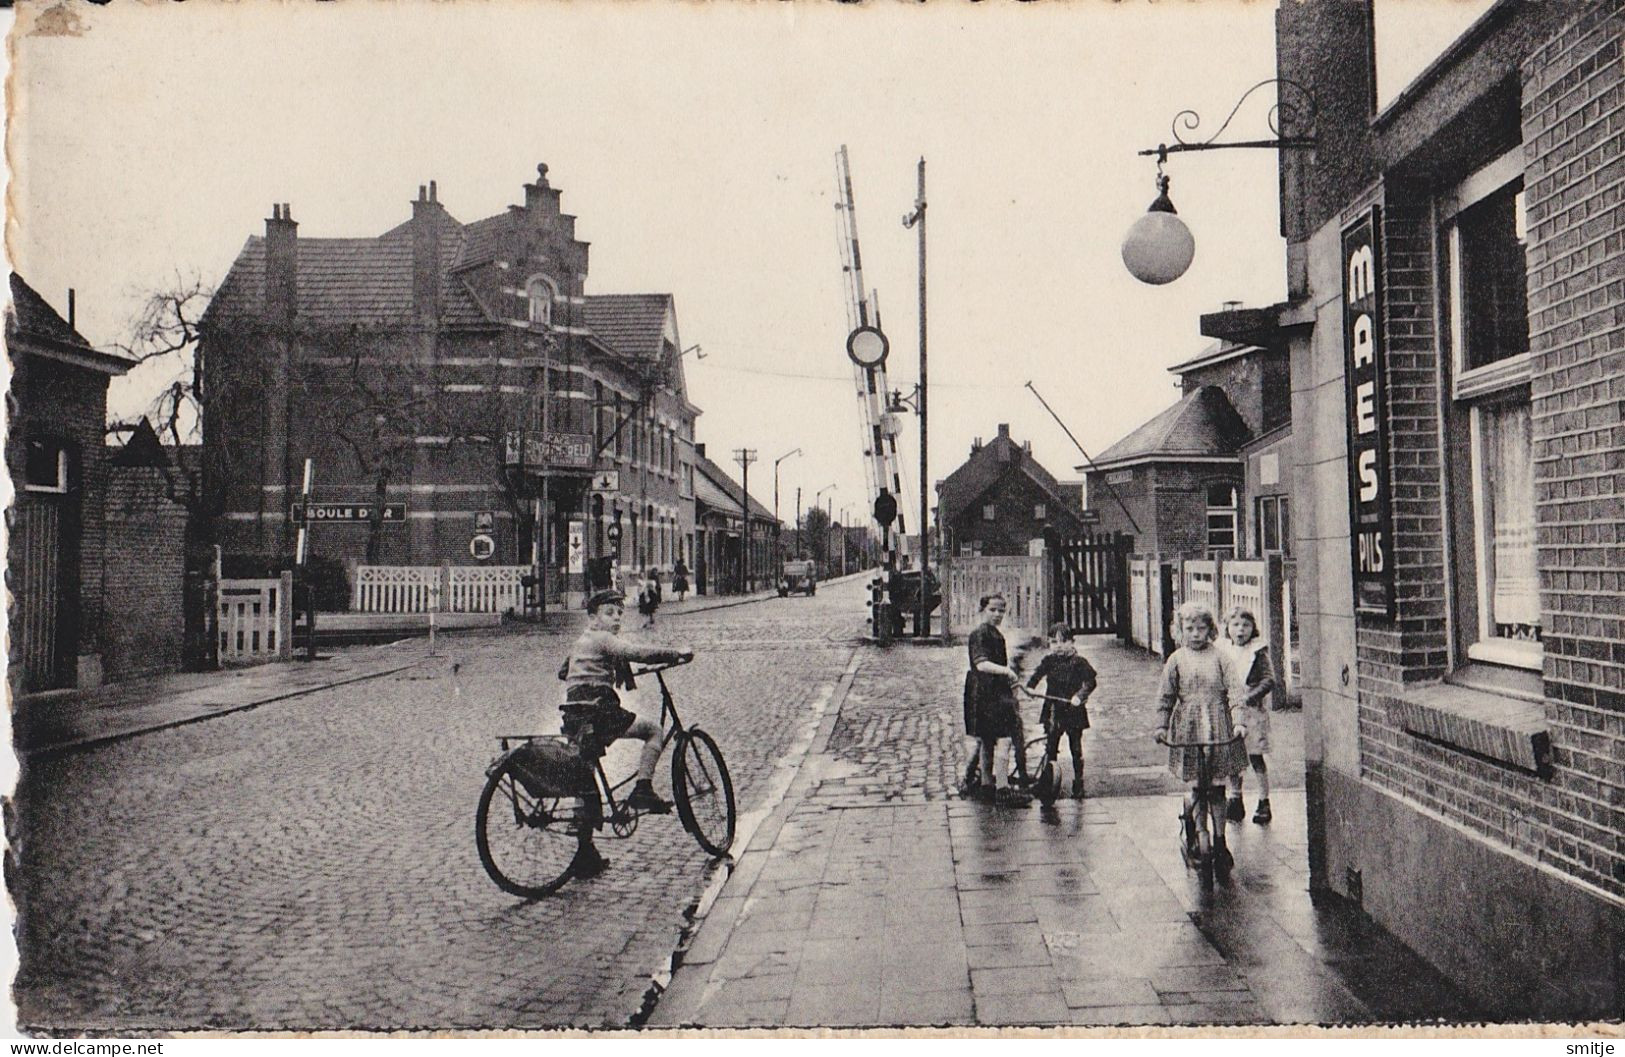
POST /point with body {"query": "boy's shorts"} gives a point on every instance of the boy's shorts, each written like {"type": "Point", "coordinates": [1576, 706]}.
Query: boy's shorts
{"type": "Point", "coordinates": [599, 709]}
{"type": "Point", "coordinates": [1072, 718]}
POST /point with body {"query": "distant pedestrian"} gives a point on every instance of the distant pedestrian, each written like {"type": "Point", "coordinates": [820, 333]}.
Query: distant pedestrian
{"type": "Point", "coordinates": [1252, 656]}
{"type": "Point", "coordinates": [1196, 699]}
{"type": "Point", "coordinates": [990, 690]}
{"type": "Point", "coordinates": [679, 579]}
{"type": "Point", "coordinates": [1068, 681]}
{"type": "Point", "coordinates": [649, 597]}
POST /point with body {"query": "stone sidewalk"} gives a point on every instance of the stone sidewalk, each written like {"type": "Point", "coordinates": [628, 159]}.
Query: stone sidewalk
{"type": "Point", "coordinates": [874, 897]}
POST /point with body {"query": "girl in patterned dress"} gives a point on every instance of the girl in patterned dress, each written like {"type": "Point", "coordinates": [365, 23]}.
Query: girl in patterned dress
{"type": "Point", "coordinates": [1197, 697]}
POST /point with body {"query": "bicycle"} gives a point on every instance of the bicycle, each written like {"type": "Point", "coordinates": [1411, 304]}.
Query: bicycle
{"type": "Point", "coordinates": [1047, 784]}
{"type": "Point", "coordinates": [541, 790]}
{"type": "Point", "coordinates": [1201, 844]}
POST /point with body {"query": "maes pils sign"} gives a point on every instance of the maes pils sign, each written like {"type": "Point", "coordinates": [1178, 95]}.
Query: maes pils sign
{"type": "Point", "coordinates": [1370, 502]}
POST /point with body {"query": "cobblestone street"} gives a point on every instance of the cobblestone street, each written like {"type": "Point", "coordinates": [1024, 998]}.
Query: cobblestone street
{"type": "Point", "coordinates": [311, 864]}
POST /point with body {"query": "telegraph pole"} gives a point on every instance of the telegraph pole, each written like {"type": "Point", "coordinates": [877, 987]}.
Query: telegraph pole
{"type": "Point", "coordinates": [916, 219]}
{"type": "Point", "coordinates": [744, 457]}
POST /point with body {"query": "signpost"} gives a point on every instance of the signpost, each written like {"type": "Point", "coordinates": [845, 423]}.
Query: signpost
{"type": "Point", "coordinates": [606, 481]}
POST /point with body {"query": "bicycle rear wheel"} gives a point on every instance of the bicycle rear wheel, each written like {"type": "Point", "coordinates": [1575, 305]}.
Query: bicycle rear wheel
{"type": "Point", "coordinates": [704, 792]}
{"type": "Point", "coordinates": [527, 843]}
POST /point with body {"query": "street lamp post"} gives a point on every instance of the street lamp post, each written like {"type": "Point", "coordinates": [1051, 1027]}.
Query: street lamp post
{"type": "Point", "coordinates": [744, 457]}
{"type": "Point", "coordinates": [816, 497]}
{"type": "Point", "coordinates": [781, 458]}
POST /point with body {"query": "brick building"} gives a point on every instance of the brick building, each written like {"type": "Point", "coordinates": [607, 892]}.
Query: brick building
{"type": "Point", "coordinates": [458, 391]}
{"type": "Point", "coordinates": [1181, 479]}
{"type": "Point", "coordinates": [57, 458]}
{"type": "Point", "coordinates": [1456, 321]}
{"type": "Point", "coordinates": [1000, 499]}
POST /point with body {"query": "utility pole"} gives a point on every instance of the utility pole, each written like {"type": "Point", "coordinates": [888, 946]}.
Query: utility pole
{"type": "Point", "coordinates": [744, 457]}
{"type": "Point", "coordinates": [922, 627]}
{"type": "Point", "coordinates": [800, 542]}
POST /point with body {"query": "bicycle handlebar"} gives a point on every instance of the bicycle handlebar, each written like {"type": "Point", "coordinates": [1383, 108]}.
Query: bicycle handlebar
{"type": "Point", "coordinates": [653, 668]}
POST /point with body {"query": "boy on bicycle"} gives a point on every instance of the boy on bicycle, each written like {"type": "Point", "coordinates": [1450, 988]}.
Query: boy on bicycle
{"type": "Point", "coordinates": [599, 662]}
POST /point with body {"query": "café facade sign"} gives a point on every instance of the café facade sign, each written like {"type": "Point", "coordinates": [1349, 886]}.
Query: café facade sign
{"type": "Point", "coordinates": [541, 450]}
{"type": "Point", "coordinates": [1365, 379]}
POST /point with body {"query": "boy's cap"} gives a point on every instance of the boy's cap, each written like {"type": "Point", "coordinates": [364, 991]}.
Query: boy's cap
{"type": "Point", "coordinates": [604, 598]}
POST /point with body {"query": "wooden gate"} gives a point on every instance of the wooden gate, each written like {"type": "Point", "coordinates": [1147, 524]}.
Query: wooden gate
{"type": "Point", "coordinates": [36, 550]}
{"type": "Point", "coordinates": [1091, 592]}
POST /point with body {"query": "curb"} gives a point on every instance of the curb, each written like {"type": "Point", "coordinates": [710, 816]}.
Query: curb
{"type": "Point", "coordinates": [771, 820]}
{"type": "Point", "coordinates": [60, 748]}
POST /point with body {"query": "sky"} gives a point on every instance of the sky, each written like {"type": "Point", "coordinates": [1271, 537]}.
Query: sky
{"type": "Point", "coordinates": [695, 143]}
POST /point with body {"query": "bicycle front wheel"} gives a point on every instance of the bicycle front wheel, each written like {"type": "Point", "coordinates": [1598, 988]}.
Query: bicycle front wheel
{"type": "Point", "coordinates": [527, 843]}
{"type": "Point", "coordinates": [704, 792]}
{"type": "Point", "coordinates": [1204, 849]}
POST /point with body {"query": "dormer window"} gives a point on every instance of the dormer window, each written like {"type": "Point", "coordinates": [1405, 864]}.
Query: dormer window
{"type": "Point", "coordinates": [539, 300]}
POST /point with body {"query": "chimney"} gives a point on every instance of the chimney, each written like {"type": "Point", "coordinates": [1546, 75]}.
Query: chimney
{"type": "Point", "coordinates": [540, 197]}
{"type": "Point", "coordinates": [1004, 430]}
{"type": "Point", "coordinates": [699, 449]}
{"type": "Point", "coordinates": [1229, 306]}
{"type": "Point", "coordinates": [975, 445]}
{"type": "Point", "coordinates": [281, 264]}
{"type": "Point", "coordinates": [426, 254]}
{"type": "Point", "coordinates": [72, 311]}
{"type": "Point", "coordinates": [1027, 446]}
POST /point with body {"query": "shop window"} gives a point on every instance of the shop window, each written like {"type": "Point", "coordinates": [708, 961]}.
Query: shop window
{"type": "Point", "coordinates": [1221, 520]}
{"type": "Point", "coordinates": [46, 467]}
{"type": "Point", "coordinates": [539, 302]}
{"type": "Point", "coordinates": [1497, 597]}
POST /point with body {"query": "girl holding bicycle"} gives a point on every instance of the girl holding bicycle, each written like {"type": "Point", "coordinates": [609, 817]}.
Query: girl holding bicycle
{"type": "Point", "coordinates": [1196, 700]}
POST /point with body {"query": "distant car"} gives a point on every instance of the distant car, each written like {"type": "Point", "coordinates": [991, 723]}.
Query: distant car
{"type": "Point", "coordinates": [798, 576]}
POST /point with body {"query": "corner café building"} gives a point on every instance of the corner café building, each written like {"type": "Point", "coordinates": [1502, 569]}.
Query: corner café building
{"type": "Point", "coordinates": [1456, 320]}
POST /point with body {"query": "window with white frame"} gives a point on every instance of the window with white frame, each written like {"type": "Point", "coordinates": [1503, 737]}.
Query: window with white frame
{"type": "Point", "coordinates": [539, 301]}
{"type": "Point", "coordinates": [989, 512]}
{"type": "Point", "coordinates": [1497, 597]}
{"type": "Point", "coordinates": [1221, 520]}
{"type": "Point", "coordinates": [45, 467]}
{"type": "Point", "coordinates": [1039, 513]}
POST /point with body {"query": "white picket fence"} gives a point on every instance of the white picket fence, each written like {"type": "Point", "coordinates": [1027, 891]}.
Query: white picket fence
{"type": "Point", "coordinates": [438, 588]}
{"type": "Point", "coordinates": [255, 620]}
{"type": "Point", "coordinates": [1022, 580]}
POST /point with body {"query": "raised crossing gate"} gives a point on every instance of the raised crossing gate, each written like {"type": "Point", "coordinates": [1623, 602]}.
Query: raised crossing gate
{"type": "Point", "coordinates": [1091, 583]}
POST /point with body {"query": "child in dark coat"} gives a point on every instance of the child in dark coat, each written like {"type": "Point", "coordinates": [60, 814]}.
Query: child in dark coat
{"type": "Point", "coordinates": [1069, 680]}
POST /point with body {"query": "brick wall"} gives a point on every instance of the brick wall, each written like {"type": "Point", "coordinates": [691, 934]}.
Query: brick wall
{"type": "Point", "coordinates": [1182, 506]}
{"type": "Point", "coordinates": [144, 576]}
{"type": "Point", "coordinates": [1572, 114]}
{"type": "Point", "coordinates": [1573, 125]}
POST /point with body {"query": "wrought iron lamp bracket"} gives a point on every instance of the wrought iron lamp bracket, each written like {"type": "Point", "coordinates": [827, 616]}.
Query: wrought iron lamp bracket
{"type": "Point", "coordinates": [1300, 111]}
